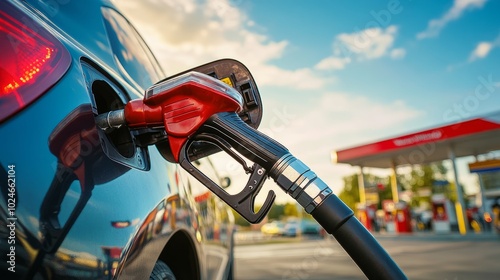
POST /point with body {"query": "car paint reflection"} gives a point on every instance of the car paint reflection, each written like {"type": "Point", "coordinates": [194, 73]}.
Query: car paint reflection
{"type": "Point", "coordinates": [76, 145]}
{"type": "Point", "coordinates": [118, 201]}
{"type": "Point", "coordinates": [89, 223]}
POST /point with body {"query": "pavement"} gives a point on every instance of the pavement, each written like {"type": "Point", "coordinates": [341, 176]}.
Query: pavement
{"type": "Point", "coordinates": [255, 237]}
{"type": "Point", "coordinates": [471, 236]}
{"type": "Point", "coordinates": [420, 255]}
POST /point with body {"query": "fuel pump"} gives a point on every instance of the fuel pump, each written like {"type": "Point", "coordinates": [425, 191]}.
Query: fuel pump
{"type": "Point", "coordinates": [403, 217]}
{"type": "Point", "coordinates": [188, 113]}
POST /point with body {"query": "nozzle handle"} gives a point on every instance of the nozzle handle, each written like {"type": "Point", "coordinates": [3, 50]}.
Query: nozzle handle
{"type": "Point", "coordinates": [250, 143]}
{"type": "Point", "coordinates": [242, 202]}
{"type": "Point", "coordinates": [227, 131]}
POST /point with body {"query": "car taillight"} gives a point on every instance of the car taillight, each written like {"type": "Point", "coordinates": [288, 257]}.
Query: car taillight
{"type": "Point", "coordinates": [31, 60]}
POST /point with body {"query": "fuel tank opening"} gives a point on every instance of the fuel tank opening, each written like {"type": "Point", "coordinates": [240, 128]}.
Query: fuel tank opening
{"type": "Point", "coordinates": [106, 100]}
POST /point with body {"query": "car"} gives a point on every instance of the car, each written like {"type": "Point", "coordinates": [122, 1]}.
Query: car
{"type": "Point", "coordinates": [79, 202]}
{"type": "Point", "coordinates": [297, 227]}
{"type": "Point", "coordinates": [273, 228]}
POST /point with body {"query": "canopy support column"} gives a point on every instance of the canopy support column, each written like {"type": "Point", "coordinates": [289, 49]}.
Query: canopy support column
{"type": "Point", "coordinates": [460, 204]}
{"type": "Point", "coordinates": [394, 184]}
{"type": "Point", "coordinates": [481, 191]}
{"type": "Point", "coordinates": [361, 184]}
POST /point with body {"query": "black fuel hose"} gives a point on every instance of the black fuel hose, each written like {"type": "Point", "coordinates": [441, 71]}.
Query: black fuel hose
{"type": "Point", "coordinates": [296, 179]}
{"type": "Point", "coordinates": [358, 242]}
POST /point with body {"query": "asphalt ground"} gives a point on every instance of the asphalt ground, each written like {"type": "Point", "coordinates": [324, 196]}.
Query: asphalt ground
{"type": "Point", "coordinates": [421, 256]}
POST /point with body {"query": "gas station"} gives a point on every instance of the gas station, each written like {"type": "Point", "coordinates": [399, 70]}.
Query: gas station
{"type": "Point", "coordinates": [473, 137]}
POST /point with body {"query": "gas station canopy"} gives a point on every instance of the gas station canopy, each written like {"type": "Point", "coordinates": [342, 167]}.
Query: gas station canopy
{"type": "Point", "coordinates": [466, 138]}
{"type": "Point", "coordinates": [471, 137]}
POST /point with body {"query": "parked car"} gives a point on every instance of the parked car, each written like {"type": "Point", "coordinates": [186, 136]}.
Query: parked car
{"type": "Point", "coordinates": [273, 228]}
{"type": "Point", "coordinates": [295, 227]}
{"type": "Point", "coordinates": [78, 202]}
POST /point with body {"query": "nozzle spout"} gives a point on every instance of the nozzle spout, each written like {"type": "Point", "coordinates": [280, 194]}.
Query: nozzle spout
{"type": "Point", "coordinates": [111, 119]}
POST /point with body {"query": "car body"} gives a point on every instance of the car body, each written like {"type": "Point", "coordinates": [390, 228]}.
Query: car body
{"type": "Point", "coordinates": [78, 202]}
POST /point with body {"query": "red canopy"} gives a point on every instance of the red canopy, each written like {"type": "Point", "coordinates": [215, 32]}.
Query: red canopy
{"type": "Point", "coordinates": [470, 137]}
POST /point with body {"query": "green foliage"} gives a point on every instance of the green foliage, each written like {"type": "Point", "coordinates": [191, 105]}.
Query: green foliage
{"type": "Point", "coordinates": [420, 181]}
{"type": "Point", "coordinates": [420, 178]}
{"type": "Point", "coordinates": [290, 210]}
{"type": "Point", "coordinates": [239, 220]}
{"type": "Point", "coordinates": [386, 193]}
{"type": "Point", "coordinates": [276, 212]}
{"type": "Point", "coordinates": [450, 191]}
{"type": "Point", "coordinates": [350, 194]}
{"type": "Point", "coordinates": [280, 211]}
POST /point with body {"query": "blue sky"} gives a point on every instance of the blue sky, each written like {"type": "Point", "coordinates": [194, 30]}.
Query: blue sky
{"type": "Point", "coordinates": [334, 74]}
{"type": "Point", "coordinates": [434, 70]}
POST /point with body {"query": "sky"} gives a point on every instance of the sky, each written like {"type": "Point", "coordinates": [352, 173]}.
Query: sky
{"type": "Point", "coordinates": [336, 74]}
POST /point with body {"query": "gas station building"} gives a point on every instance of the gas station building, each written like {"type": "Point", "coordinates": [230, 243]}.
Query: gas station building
{"type": "Point", "coordinates": [473, 137]}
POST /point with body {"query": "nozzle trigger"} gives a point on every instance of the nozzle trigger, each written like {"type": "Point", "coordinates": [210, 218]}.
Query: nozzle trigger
{"type": "Point", "coordinates": [242, 202]}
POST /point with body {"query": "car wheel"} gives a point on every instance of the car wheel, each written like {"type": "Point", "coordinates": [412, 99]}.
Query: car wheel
{"type": "Point", "coordinates": [161, 271]}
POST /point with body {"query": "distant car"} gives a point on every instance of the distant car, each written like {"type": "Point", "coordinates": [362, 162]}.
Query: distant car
{"type": "Point", "coordinates": [301, 227]}
{"type": "Point", "coordinates": [77, 202]}
{"type": "Point", "coordinates": [274, 228]}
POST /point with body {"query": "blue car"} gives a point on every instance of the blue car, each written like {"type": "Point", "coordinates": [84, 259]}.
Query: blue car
{"type": "Point", "coordinates": [79, 202]}
{"type": "Point", "coordinates": [295, 227]}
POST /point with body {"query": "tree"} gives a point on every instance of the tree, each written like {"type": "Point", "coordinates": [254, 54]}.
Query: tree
{"type": "Point", "coordinates": [350, 193]}
{"type": "Point", "coordinates": [290, 210]}
{"type": "Point", "coordinates": [386, 193]}
{"type": "Point", "coordinates": [421, 182]}
{"type": "Point", "coordinates": [276, 212]}
{"type": "Point", "coordinates": [239, 220]}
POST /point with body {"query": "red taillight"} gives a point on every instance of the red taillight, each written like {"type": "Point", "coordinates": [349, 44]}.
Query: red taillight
{"type": "Point", "coordinates": [31, 60]}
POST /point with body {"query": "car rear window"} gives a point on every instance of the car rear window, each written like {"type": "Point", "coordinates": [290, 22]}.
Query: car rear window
{"type": "Point", "coordinates": [134, 59]}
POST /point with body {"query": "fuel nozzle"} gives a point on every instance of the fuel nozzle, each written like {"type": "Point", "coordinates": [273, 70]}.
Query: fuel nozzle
{"type": "Point", "coordinates": [179, 105]}
{"type": "Point", "coordinates": [189, 108]}
{"type": "Point", "coordinates": [195, 107]}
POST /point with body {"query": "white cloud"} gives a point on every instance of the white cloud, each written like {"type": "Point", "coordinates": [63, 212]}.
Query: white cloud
{"type": "Point", "coordinates": [335, 116]}
{"type": "Point", "coordinates": [435, 26]}
{"type": "Point", "coordinates": [371, 43]}
{"type": "Point", "coordinates": [184, 34]}
{"type": "Point", "coordinates": [483, 49]}
{"type": "Point", "coordinates": [333, 120]}
{"type": "Point", "coordinates": [333, 63]}
{"type": "Point", "coordinates": [398, 53]}
{"type": "Point", "coordinates": [304, 78]}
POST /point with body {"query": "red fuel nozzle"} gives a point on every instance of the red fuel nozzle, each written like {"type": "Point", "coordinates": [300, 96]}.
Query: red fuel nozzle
{"type": "Point", "coordinates": [181, 105]}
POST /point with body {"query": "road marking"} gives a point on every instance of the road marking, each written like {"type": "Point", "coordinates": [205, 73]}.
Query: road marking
{"type": "Point", "coordinates": [291, 251]}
